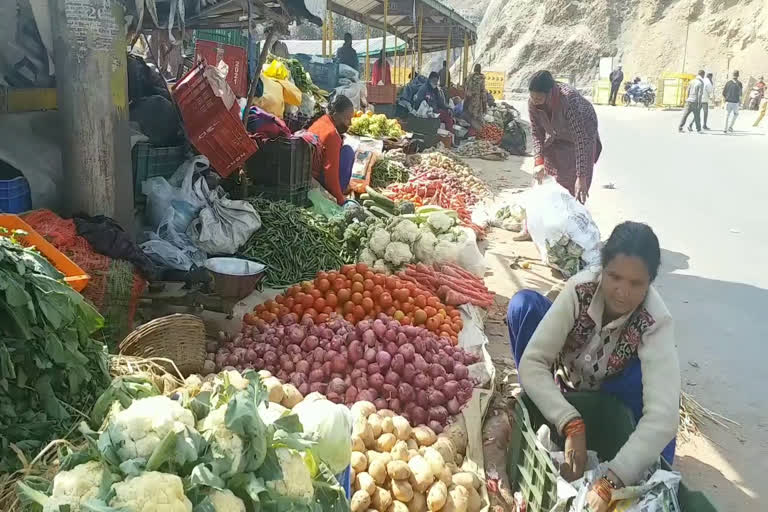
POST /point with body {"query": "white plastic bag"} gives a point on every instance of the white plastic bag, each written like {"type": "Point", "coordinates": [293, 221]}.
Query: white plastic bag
{"type": "Point", "coordinates": [180, 192]}
{"type": "Point", "coordinates": [223, 224]}
{"type": "Point", "coordinates": [171, 248]}
{"type": "Point", "coordinates": [553, 215]}
{"type": "Point", "coordinates": [332, 424]}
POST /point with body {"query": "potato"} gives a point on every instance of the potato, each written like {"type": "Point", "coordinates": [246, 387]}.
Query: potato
{"type": "Point", "coordinates": [385, 442]}
{"type": "Point", "coordinates": [364, 482]}
{"type": "Point", "coordinates": [381, 499]}
{"type": "Point", "coordinates": [374, 420]}
{"type": "Point", "coordinates": [435, 460]}
{"type": "Point", "coordinates": [402, 490]}
{"type": "Point", "coordinates": [360, 501]}
{"type": "Point", "coordinates": [274, 389]}
{"type": "Point", "coordinates": [264, 374]}
{"type": "Point", "coordinates": [402, 428]}
{"type": "Point", "coordinates": [400, 451]}
{"type": "Point", "coordinates": [475, 502]}
{"type": "Point", "coordinates": [363, 409]}
{"type": "Point", "coordinates": [387, 426]}
{"type": "Point", "coordinates": [445, 476]}
{"type": "Point", "coordinates": [378, 470]}
{"type": "Point", "coordinates": [466, 479]}
{"type": "Point", "coordinates": [357, 444]}
{"type": "Point", "coordinates": [412, 444]}
{"type": "Point", "coordinates": [445, 446]}
{"type": "Point", "coordinates": [457, 501]}
{"type": "Point", "coordinates": [359, 461]}
{"type": "Point", "coordinates": [291, 396]}
{"type": "Point", "coordinates": [372, 455]}
{"type": "Point", "coordinates": [437, 496]}
{"type": "Point", "coordinates": [398, 470]}
{"type": "Point", "coordinates": [418, 503]}
{"type": "Point", "coordinates": [398, 507]}
{"type": "Point", "coordinates": [457, 432]}
{"type": "Point", "coordinates": [362, 429]}
{"type": "Point", "coordinates": [424, 435]}
{"type": "Point", "coordinates": [386, 413]}
{"type": "Point", "coordinates": [422, 473]}
{"type": "Point", "coordinates": [412, 454]}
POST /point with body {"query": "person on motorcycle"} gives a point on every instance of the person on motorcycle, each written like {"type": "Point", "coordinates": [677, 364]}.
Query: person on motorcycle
{"type": "Point", "coordinates": [693, 102]}
{"type": "Point", "coordinates": [757, 94]}
{"type": "Point", "coordinates": [706, 96]}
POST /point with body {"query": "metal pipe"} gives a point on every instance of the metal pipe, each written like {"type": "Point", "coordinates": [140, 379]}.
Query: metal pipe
{"type": "Point", "coordinates": [384, 37]}
{"type": "Point", "coordinates": [421, 28]}
{"type": "Point", "coordinates": [464, 62]}
{"type": "Point", "coordinates": [367, 52]}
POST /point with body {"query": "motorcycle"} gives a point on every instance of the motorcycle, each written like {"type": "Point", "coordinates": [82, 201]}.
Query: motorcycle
{"type": "Point", "coordinates": [639, 93]}
{"type": "Point", "coordinates": [755, 96]}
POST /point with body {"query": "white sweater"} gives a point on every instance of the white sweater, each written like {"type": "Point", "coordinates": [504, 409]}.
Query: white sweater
{"type": "Point", "coordinates": [572, 339]}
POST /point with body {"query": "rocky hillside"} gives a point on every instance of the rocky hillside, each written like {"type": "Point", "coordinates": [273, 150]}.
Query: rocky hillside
{"type": "Point", "coordinates": [648, 36]}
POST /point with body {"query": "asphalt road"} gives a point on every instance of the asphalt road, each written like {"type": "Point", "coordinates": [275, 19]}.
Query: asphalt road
{"type": "Point", "coordinates": [705, 196]}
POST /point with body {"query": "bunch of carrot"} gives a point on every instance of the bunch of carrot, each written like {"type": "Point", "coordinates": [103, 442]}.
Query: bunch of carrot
{"type": "Point", "coordinates": [451, 283]}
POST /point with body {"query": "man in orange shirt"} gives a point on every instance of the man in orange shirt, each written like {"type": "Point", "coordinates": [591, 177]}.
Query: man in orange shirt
{"type": "Point", "coordinates": [336, 171]}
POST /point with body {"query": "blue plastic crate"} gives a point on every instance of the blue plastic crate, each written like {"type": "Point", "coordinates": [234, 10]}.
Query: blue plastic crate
{"type": "Point", "coordinates": [15, 195]}
{"type": "Point", "coordinates": [345, 481]}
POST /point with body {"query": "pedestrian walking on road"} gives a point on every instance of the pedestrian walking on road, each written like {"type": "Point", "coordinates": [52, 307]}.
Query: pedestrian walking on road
{"type": "Point", "coordinates": [616, 77]}
{"type": "Point", "coordinates": [733, 92]}
{"type": "Point", "coordinates": [693, 102]}
{"type": "Point", "coordinates": [706, 97]}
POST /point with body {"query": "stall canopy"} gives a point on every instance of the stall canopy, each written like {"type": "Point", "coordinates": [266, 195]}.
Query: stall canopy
{"type": "Point", "coordinates": [438, 22]}
{"type": "Point", "coordinates": [316, 47]}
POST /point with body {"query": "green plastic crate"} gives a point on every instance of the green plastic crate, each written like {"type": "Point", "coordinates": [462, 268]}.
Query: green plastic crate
{"type": "Point", "coordinates": [230, 36]}
{"type": "Point", "coordinates": [609, 424]}
{"type": "Point", "coordinates": [150, 161]}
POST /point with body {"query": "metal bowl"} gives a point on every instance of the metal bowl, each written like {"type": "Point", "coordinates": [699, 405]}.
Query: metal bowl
{"type": "Point", "coordinates": [234, 277]}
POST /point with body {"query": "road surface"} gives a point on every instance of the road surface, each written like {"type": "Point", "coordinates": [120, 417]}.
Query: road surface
{"type": "Point", "coordinates": [704, 195]}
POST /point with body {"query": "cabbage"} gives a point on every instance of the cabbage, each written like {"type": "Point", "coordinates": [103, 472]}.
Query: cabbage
{"type": "Point", "coordinates": [332, 426]}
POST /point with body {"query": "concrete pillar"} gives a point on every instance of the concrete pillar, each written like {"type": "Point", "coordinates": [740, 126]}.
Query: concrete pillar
{"type": "Point", "coordinates": [92, 91]}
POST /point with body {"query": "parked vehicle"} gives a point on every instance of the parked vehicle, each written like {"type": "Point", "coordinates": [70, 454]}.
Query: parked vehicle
{"type": "Point", "coordinates": [639, 93]}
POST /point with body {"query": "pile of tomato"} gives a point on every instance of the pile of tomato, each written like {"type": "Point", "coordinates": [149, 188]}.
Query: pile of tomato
{"type": "Point", "coordinates": [357, 293]}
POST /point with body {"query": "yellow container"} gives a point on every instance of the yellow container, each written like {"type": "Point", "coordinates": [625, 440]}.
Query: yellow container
{"type": "Point", "coordinates": [672, 92]}
{"type": "Point", "coordinates": [27, 100]}
{"type": "Point", "coordinates": [494, 82]}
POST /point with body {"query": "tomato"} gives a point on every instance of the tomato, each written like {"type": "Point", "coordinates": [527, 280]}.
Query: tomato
{"type": "Point", "coordinates": [399, 315]}
{"type": "Point", "coordinates": [380, 279]}
{"type": "Point", "coordinates": [344, 295]}
{"type": "Point", "coordinates": [348, 283]}
{"type": "Point", "coordinates": [282, 311]}
{"type": "Point", "coordinates": [368, 284]}
{"type": "Point", "coordinates": [332, 276]}
{"type": "Point", "coordinates": [446, 328]}
{"type": "Point", "coordinates": [419, 316]}
{"type": "Point", "coordinates": [348, 307]}
{"type": "Point", "coordinates": [293, 290]}
{"type": "Point", "coordinates": [402, 294]}
{"type": "Point", "coordinates": [453, 313]}
{"type": "Point", "coordinates": [367, 304]}
{"type": "Point", "coordinates": [349, 317]}
{"type": "Point", "coordinates": [331, 299]}
{"type": "Point", "coordinates": [289, 302]}
{"type": "Point", "coordinates": [389, 311]}
{"type": "Point", "coordinates": [250, 318]}
{"type": "Point", "coordinates": [368, 275]}
{"type": "Point", "coordinates": [444, 334]}
{"type": "Point", "coordinates": [357, 278]}
{"type": "Point", "coordinates": [376, 310]}
{"type": "Point", "coordinates": [311, 312]}
{"type": "Point", "coordinates": [432, 323]}
{"type": "Point", "coordinates": [315, 293]}
{"type": "Point", "coordinates": [385, 300]}
{"type": "Point", "coordinates": [319, 303]}
{"type": "Point", "coordinates": [457, 326]}
{"type": "Point", "coordinates": [359, 312]}
{"type": "Point", "coordinates": [322, 318]}
{"type": "Point", "coordinates": [454, 340]}
{"type": "Point", "coordinates": [260, 308]}
{"type": "Point", "coordinates": [279, 299]}
{"type": "Point", "coordinates": [357, 298]}
{"type": "Point", "coordinates": [430, 311]}
{"type": "Point", "coordinates": [420, 301]}
{"type": "Point", "coordinates": [358, 287]}
{"type": "Point", "coordinates": [407, 308]}
{"type": "Point", "coordinates": [307, 286]}
{"type": "Point", "coordinates": [269, 304]}
{"type": "Point", "coordinates": [327, 310]}
{"type": "Point", "coordinates": [346, 268]}
{"type": "Point", "coordinates": [321, 275]}
{"type": "Point", "coordinates": [298, 309]}
{"type": "Point", "coordinates": [407, 320]}
{"type": "Point", "coordinates": [361, 268]}
{"type": "Point", "coordinates": [339, 283]}
{"type": "Point", "coordinates": [433, 302]}
{"type": "Point", "coordinates": [391, 283]}
{"type": "Point", "coordinates": [377, 291]}
{"type": "Point", "coordinates": [323, 285]}
{"type": "Point", "coordinates": [307, 301]}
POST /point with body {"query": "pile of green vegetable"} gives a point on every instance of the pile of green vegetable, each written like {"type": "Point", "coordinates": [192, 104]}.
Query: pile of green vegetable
{"type": "Point", "coordinates": [50, 366]}
{"type": "Point", "coordinates": [294, 243]}
{"type": "Point", "coordinates": [383, 207]}
{"type": "Point", "coordinates": [565, 255]}
{"type": "Point", "coordinates": [386, 171]}
{"type": "Point", "coordinates": [213, 446]}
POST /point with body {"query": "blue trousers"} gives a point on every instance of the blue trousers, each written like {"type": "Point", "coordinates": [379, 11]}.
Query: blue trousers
{"type": "Point", "coordinates": [346, 161]}
{"type": "Point", "coordinates": [525, 311]}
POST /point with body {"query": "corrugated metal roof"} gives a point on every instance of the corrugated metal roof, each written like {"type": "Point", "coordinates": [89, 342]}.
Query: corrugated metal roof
{"type": "Point", "coordinates": [316, 47]}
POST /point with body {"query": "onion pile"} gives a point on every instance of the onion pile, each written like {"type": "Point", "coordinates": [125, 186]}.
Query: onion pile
{"type": "Point", "coordinates": [407, 369]}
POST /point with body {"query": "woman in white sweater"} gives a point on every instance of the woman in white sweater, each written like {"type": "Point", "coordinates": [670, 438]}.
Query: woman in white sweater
{"type": "Point", "coordinates": [608, 331]}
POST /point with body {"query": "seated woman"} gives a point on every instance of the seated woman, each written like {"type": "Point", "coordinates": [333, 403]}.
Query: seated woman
{"type": "Point", "coordinates": [611, 332]}
{"type": "Point", "coordinates": [433, 95]}
{"type": "Point", "coordinates": [382, 72]}
{"type": "Point", "coordinates": [338, 159]}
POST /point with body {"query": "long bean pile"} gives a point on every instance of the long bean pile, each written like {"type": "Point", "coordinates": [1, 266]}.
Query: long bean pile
{"type": "Point", "coordinates": [293, 243]}
{"type": "Point", "coordinates": [386, 171]}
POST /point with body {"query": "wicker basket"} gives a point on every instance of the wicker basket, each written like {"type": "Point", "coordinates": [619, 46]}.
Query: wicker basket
{"type": "Point", "coordinates": [180, 338]}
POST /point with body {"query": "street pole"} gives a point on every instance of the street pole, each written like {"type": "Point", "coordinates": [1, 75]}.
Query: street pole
{"type": "Point", "coordinates": [92, 90]}
{"type": "Point", "coordinates": [687, 30]}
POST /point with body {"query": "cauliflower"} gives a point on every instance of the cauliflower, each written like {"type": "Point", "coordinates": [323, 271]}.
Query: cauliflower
{"type": "Point", "coordinates": [381, 266]}
{"type": "Point", "coordinates": [398, 253]}
{"type": "Point", "coordinates": [368, 257]}
{"type": "Point", "coordinates": [226, 501]}
{"type": "Point", "coordinates": [297, 480]}
{"type": "Point", "coordinates": [424, 248]}
{"type": "Point", "coordinates": [227, 446]}
{"type": "Point", "coordinates": [151, 492]}
{"type": "Point", "coordinates": [440, 222]}
{"type": "Point", "coordinates": [75, 486]}
{"type": "Point", "coordinates": [137, 430]}
{"type": "Point", "coordinates": [405, 231]}
{"type": "Point", "coordinates": [446, 252]}
{"type": "Point", "coordinates": [379, 241]}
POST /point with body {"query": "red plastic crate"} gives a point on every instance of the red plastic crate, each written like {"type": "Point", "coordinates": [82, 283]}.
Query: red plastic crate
{"type": "Point", "coordinates": [216, 132]}
{"type": "Point", "coordinates": [234, 56]}
{"type": "Point", "coordinates": [382, 94]}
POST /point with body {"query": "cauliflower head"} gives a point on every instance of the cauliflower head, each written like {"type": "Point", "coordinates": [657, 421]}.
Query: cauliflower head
{"type": "Point", "coordinates": [405, 231]}
{"type": "Point", "coordinates": [138, 429]}
{"type": "Point", "coordinates": [151, 492]}
{"type": "Point", "coordinates": [367, 256]}
{"type": "Point", "coordinates": [446, 252]}
{"type": "Point", "coordinates": [439, 222]}
{"type": "Point", "coordinates": [398, 254]}
{"type": "Point", "coordinates": [226, 501]}
{"type": "Point", "coordinates": [381, 266]}
{"type": "Point", "coordinates": [424, 248]}
{"type": "Point", "coordinates": [227, 446]}
{"type": "Point", "coordinates": [75, 486]}
{"type": "Point", "coordinates": [379, 241]}
{"type": "Point", "coordinates": [297, 479]}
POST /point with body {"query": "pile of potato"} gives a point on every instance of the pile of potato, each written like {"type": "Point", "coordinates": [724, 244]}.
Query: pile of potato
{"type": "Point", "coordinates": [397, 468]}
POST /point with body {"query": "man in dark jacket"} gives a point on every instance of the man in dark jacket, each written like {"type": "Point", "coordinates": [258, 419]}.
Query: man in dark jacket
{"type": "Point", "coordinates": [347, 55]}
{"type": "Point", "coordinates": [616, 77]}
{"type": "Point", "coordinates": [433, 95]}
{"type": "Point", "coordinates": [732, 93]}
